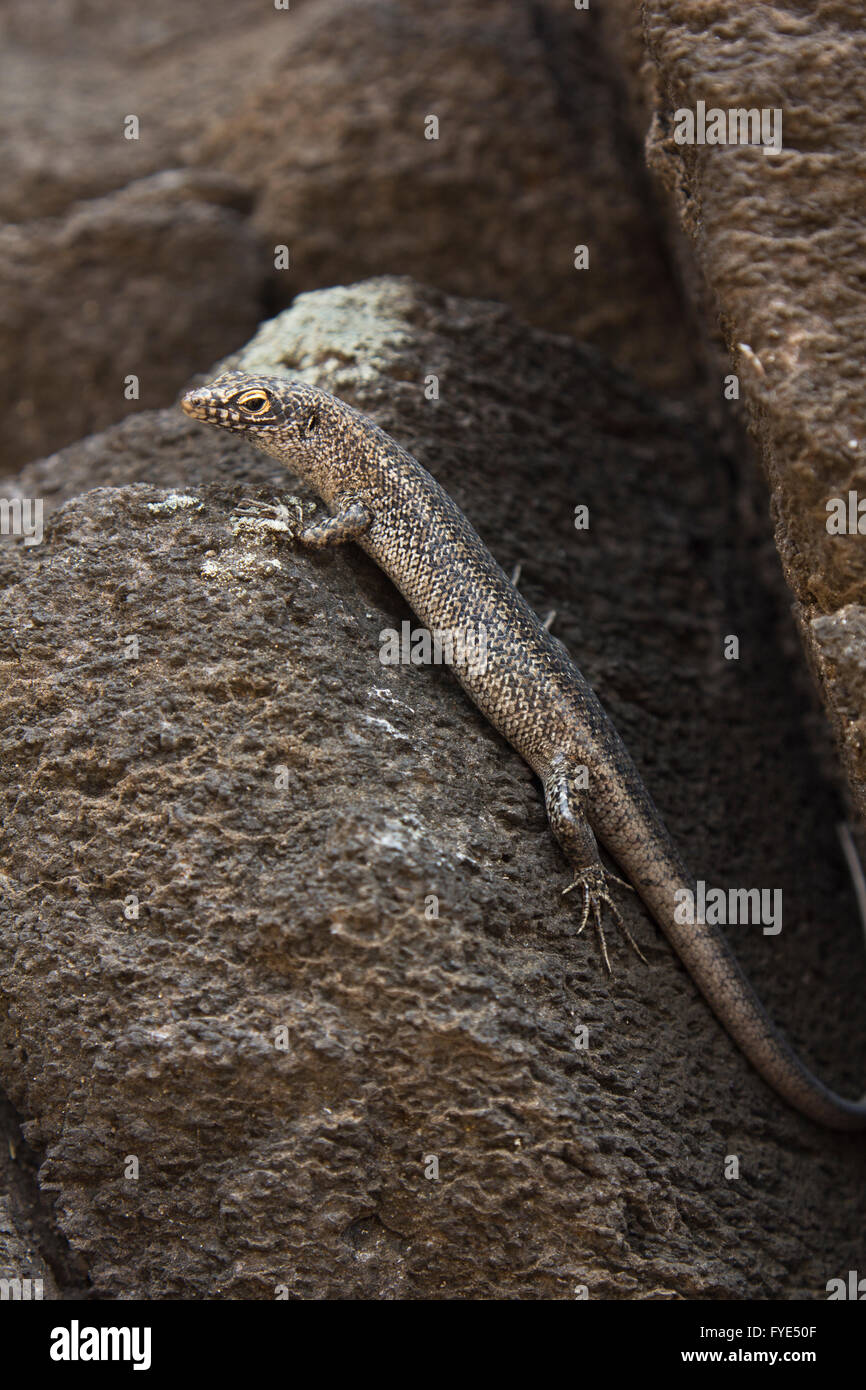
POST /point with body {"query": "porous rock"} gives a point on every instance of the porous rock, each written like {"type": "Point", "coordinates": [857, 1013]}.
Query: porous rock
{"type": "Point", "coordinates": [777, 243]}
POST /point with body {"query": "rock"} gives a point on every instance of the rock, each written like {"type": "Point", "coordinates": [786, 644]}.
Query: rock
{"type": "Point", "coordinates": [29, 1242]}
{"type": "Point", "coordinates": [533, 157]}
{"type": "Point", "coordinates": [153, 281]}
{"type": "Point", "coordinates": [838, 641]}
{"type": "Point", "coordinates": [172, 66]}
{"type": "Point", "coordinates": [238, 1034]}
{"type": "Point", "coordinates": [322, 108]}
{"type": "Point", "coordinates": [24, 1276]}
{"type": "Point", "coordinates": [778, 242]}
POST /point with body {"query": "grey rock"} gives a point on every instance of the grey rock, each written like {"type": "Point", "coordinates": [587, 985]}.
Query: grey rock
{"type": "Point", "coordinates": [777, 242]}
{"type": "Point", "coordinates": [72, 72]}
{"type": "Point", "coordinates": [533, 157]}
{"type": "Point", "coordinates": [153, 282]}
{"type": "Point", "coordinates": [321, 109]}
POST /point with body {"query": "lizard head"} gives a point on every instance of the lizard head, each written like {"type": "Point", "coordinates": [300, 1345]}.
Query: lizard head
{"type": "Point", "coordinates": [296, 423]}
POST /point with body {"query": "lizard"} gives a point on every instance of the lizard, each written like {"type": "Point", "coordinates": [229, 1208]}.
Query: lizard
{"type": "Point", "coordinates": [528, 687]}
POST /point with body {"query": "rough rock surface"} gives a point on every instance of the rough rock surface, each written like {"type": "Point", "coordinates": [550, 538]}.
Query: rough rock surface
{"type": "Point", "coordinates": [34, 1258]}
{"type": "Point", "coordinates": [534, 156]}
{"type": "Point", "coordinates": [320, 109]}
{"type": "Point", "coordinates": [157, 670]}
{"type": "Point", "coordinates": [72, 71]}
{"type": "Point", "coordinates": [152, 282]}
{"type": "Point", "coordinates": [779, 243]}
{"type": "Point", "coordinates": [24, 1275]}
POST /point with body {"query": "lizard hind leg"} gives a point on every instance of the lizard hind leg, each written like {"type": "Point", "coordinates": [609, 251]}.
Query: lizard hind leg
{"type": "Point", "coordinates": [563, 799]}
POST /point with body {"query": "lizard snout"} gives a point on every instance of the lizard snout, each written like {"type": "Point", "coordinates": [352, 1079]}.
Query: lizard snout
{"type": "Point", "coordinates": [197, 404]}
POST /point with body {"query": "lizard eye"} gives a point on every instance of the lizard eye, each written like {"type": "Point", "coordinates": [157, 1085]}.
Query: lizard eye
{"type": "Point", "coordinates": [253, 403]}
{"type": "Point", "coordinates": [311, 425]}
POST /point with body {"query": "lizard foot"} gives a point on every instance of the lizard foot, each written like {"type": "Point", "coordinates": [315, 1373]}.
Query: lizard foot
{"type": "Point", "coordinates": [283, 517]}
{"type": "Point", "coordinates": [593, 883]}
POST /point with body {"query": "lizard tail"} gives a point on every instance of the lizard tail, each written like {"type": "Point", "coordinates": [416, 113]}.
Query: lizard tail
{"type": "Point", "coordinates": [712, 965]}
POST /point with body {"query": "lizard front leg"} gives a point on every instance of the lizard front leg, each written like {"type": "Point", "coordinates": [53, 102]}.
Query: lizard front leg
{"type": "Point", "coordinates": [345, 525]}
{"type": "Point", "coordinates": [563, 799]}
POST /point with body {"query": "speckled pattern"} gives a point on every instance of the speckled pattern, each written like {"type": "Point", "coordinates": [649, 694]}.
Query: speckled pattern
{"type": "Point", "coordinates": [529, 689]}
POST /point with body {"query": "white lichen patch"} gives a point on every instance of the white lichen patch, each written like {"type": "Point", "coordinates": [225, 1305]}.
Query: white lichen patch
{"type": "Point", "coordinates": [384, 694]}
{"type": "Point", "coordinates": [389, 728]}
{"type": "Point", "coordinates": [841, 637]}
{"type": "Point", "coordinates": [174, 502]}
{"type": "Point", "coordinates": [402, 835]}
{"type": "Point", "coordinates": [239, 566]}
{"type": "Point", "coordinates": [261, 526]}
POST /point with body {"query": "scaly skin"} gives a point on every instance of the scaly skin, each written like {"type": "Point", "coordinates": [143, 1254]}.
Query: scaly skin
{"type": "Point", "coordinates": [529, 689]}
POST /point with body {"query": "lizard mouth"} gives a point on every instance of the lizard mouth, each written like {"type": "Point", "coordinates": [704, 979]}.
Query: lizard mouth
{"type": "Point", "coordinates": [199, 405]}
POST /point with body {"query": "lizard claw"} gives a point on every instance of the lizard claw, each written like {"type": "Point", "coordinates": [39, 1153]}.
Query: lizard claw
{"type": "Point", "coordinates": [593, 883]}
{"type": "Point", "coordinates": [285, 516]}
